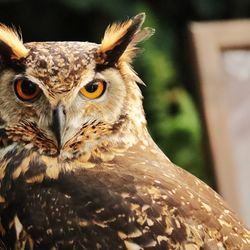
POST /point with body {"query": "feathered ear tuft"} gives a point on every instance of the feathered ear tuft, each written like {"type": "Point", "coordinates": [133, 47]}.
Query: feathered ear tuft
{"type": "Point", "coordinates": [11, 45]}
{"type": "Point", "coordinates": [120, 40]}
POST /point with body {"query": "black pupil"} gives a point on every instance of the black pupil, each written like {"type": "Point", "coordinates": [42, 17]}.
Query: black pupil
{"type": "Point", "coordinates": [28, 87]}
{"type": "Point", "coordinates": [91, 87]}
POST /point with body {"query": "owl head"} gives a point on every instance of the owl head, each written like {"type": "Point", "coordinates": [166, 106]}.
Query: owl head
{"type": "Point", "coordinates": [67, 98]}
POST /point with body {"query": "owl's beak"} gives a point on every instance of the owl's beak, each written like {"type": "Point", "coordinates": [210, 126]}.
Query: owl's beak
{"type": "Point", "coordinates": [58, 123]}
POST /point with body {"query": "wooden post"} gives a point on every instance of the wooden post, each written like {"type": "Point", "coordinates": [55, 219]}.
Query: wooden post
{"type": "Point", "coordinates": [222, 53]}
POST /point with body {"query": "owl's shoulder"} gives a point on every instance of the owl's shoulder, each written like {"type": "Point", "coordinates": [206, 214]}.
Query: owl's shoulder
{"type": "Point", "coordinates": [136, 198]}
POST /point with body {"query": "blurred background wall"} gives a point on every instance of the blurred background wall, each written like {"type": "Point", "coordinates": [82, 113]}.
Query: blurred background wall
{"type": "Point", "coordinates": [166, 65]}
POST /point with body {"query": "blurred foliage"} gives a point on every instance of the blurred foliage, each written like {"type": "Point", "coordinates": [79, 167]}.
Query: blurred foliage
{"type": "Point", "coordinates": [170, 103]}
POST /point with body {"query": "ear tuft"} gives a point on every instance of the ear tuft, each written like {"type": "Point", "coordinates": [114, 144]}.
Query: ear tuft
{"type": "Point", "coordinates": [11, 44]}
{"type": "Point", "coordinates": [120, 40]}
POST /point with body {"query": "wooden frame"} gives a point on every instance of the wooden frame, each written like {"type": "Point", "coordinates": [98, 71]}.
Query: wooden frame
{"type": "Point", "coordinates": [211, 41]}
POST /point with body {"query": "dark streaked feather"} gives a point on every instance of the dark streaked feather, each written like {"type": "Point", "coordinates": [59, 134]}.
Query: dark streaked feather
{"type": "Point", "coordinates": [128, 202]}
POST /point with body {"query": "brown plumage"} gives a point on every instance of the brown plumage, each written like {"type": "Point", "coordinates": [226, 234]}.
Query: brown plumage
{"type": "Point", "coordinates": [11, 40]}
{"type": "Point", "coordinates": [78, 168]}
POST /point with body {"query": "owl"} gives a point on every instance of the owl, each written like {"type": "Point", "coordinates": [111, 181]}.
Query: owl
{"type": "Point", "coordinates": [78, 168]}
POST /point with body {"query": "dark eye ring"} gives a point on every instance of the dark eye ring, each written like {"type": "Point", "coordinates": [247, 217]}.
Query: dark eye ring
{"type": "Point", "coordinates": [26, 90]}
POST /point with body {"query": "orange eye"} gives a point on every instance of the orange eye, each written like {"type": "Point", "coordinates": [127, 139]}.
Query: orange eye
{"type": "Point", "coordinates": [26, 90]}
{"type": "Point", "coordinates": [94, 89]}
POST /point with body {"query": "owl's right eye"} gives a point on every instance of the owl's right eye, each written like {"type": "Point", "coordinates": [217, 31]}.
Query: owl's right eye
{"type": "Point", "coordinates": [94, 89]}
{"type": "Point", "coordinates": [26, 90]}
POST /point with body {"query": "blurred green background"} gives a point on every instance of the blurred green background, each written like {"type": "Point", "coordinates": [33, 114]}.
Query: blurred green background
{"type": "Point", "coordinates": [166, 65]}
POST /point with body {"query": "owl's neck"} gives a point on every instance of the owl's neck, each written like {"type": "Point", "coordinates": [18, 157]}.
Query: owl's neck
{"type": "Point", "coordinates": [120, 136]}
{"type": "Point", "coordinates": [47, 166]}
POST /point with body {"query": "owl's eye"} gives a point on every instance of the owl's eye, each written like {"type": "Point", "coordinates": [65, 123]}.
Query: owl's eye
{"type": "Point", "coordinates": [26, 90]}
{"type": "Point", "coordinates": [94, 89]}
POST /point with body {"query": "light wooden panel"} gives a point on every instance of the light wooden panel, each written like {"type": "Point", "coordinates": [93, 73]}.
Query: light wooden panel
{"type": "Point", "coordinates": [222, 53]}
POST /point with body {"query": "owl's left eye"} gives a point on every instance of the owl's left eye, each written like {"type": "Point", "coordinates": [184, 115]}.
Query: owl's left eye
{"type": "Point", "coordinates": [26, 90]}
{"type": "Point", "coordinates": [94, 89]}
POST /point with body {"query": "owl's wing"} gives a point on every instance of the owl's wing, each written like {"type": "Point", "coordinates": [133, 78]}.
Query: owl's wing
{"type": "Point", "coordinates": [137, 200]}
